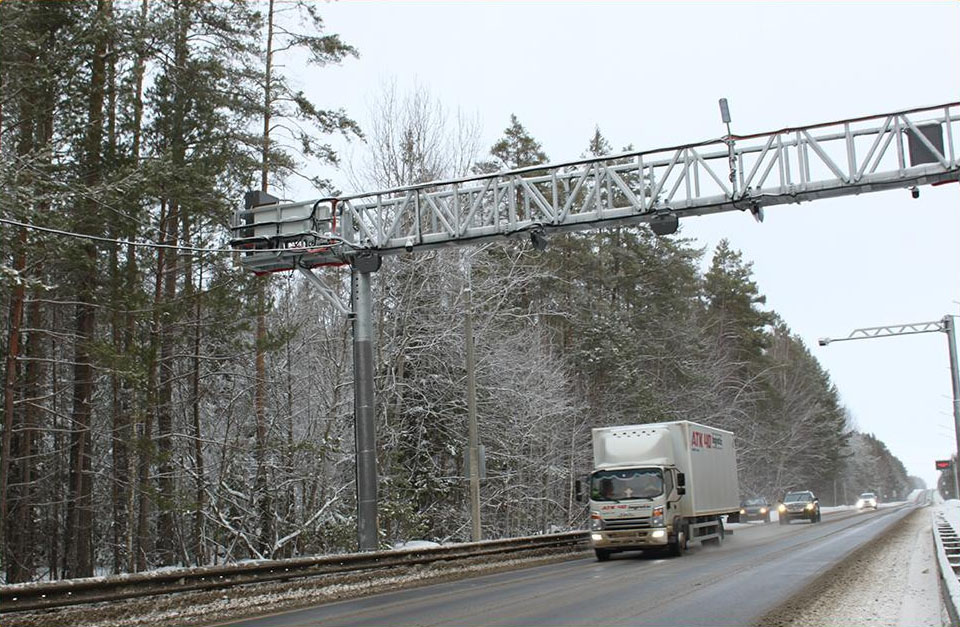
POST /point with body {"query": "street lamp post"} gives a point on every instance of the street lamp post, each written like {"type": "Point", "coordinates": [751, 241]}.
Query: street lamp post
{"type": "Point", "coordinates": [946, 325]}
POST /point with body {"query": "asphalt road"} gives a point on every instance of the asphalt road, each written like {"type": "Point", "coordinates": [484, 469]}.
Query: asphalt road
{"type": "Point", "coordinates": [755, 570]}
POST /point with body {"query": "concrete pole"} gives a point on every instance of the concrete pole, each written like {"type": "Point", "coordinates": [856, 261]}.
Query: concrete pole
{"type": "Point", "coordinates": [364, 412]}
{"type": "Point", "coordinates": [473, 449]}
{"type": "Point", "coordinates": [950, 325]}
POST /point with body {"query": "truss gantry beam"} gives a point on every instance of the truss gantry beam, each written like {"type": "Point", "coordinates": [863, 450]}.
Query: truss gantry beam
{"type": "Point", "coordinates": [904, 149]}
{"type": "Point", "coordinates": [913, 328]}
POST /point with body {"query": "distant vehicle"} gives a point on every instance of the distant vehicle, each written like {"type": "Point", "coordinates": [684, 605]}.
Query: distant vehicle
{"type": "Point", "coordinates": [797, 505]}
{"type": "Point", "coordinates": [660, 486]}
{"type": "Point", "coordinates": [867, 499]}
{"type": "Point", "coordinates": [754, 509]}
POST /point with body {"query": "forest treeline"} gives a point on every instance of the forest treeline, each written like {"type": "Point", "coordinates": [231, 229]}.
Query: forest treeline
{"type": "Point", "coordinates": [163, 407]}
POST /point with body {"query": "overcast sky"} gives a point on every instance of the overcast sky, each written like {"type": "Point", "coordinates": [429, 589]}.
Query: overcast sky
{"type": "Point", "coordinates": [650, 75]}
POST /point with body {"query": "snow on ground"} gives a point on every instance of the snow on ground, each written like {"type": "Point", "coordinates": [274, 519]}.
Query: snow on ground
{"type": "Point", "coordinates": [204, 608]}
{"type": "Point", "coordinates": [893, 582]}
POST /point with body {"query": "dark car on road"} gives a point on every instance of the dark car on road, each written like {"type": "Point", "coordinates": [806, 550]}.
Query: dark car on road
{"type": "Point", "coordinates": [754, 509]}
{"type": "Point", "coordinates": [799, 505]}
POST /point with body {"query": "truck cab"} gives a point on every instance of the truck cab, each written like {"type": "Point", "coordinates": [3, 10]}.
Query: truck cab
{"type": "Point", "coordinates": [630, 508]}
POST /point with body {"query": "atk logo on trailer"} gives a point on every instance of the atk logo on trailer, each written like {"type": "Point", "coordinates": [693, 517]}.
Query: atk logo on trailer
{"type": "Point", "coordinates": [700, 440]}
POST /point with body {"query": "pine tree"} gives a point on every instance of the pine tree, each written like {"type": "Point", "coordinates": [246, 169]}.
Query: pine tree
{"type": "Point", "coordinates": [517, 149]}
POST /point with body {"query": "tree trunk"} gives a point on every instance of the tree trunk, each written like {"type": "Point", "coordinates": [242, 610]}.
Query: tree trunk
{"type": "Point", "coordinates": [80, 503]}
{"type": "Point", "coordinates": [12, 549]}
{"type": "Point", "coordinates": [194, 294]}
{"type": "Point", "coordinates": [261, 491]}
{"type": "Point", "coordinates": [167, 528]}
{"type": "Point", "coordinates": [137, 460]}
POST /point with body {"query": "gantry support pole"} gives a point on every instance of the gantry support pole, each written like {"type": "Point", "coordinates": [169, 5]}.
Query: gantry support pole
{"type": "Point", "coordinates": [950, 326]}
{"type": "Point", "coordinates": [364, 411]}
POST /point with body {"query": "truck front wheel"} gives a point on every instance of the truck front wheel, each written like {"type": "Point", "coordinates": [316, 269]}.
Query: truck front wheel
{"type": "Point", "coordinates": [679, 546]}
{"type": "Point", "coordinates": [602, 554]}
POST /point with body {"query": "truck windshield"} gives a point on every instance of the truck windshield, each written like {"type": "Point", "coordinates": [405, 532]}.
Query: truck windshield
{"type": "Point", "coordinates": [635, 483]}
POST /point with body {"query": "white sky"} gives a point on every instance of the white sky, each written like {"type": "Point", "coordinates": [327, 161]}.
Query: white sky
{"type": "Point", "coordinates": [650, 75]}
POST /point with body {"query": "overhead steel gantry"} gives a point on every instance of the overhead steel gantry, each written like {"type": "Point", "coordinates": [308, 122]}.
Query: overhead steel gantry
{"type": "Point", "coordinates": [905, 149]}
{"type": "Point", "coordinates": [746, 172]}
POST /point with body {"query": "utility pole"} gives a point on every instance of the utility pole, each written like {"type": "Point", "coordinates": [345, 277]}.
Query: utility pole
{"type": "Point", "coordinates": [473, 450]}
{"type": "Point", "coordinates": [946, 325]}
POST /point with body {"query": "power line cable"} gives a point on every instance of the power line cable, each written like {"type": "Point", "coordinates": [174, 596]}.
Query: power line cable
{"type": "Point", "coordinates": [192, 249]}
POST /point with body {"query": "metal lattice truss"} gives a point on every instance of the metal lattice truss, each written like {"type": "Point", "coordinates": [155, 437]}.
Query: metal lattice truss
{"type": "Point", "coordinates": [897, 150]}
{"type": "Point", "coordinates": [868, 333]}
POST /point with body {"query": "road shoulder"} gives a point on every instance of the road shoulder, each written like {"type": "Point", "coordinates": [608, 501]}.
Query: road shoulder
{"type": "Point", "coordinates": [889, 582]}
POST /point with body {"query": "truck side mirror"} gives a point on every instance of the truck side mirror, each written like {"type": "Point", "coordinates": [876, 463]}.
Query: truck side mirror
{"type": "Point", "coordinates": [578, 491]}
{"type": "Point", "coordinates": [681, 479]}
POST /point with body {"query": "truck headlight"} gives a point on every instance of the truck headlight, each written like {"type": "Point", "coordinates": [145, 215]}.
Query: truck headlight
{"type": "Point", "coordinates": [657, 519]}
{"type": "Point", "coordinates": [763, 510]}
{"type": "Point", "coordinates": [860, 503]}
{"type": "Point", "coordinates": [809, 506]}
{"type": "Point", "coordinates": [743, 511]}
{"type": "Point", "coordinates": [596, 523]}
{"type": "Point", "coordinates": [781, 508]}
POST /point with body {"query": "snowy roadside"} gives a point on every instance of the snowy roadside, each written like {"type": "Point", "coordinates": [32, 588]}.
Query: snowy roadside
{"type": "Point", "coordinates": [893, 582]}
{"type": "Point", "coordinates": [946, 521]}
{"type": "Point", "coordinates": [219, 606]}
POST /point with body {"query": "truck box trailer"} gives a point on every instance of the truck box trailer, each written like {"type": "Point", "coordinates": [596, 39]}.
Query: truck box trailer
{"type": "Point", "coordinates": [661, 485]}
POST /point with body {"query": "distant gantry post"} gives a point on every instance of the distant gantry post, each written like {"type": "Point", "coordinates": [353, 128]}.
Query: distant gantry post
{"type": "Point", "coordinates": [947, 325]}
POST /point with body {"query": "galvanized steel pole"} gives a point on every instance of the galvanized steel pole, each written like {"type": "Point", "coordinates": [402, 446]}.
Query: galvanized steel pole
{"type": "Point", "coordinates": [364, 411]}
{"type": "Point", "coordinates": [950, 326]}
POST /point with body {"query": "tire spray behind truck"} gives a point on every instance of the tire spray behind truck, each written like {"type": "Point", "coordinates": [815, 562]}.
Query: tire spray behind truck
{"type": "Point", "coordinates": [660, 486]}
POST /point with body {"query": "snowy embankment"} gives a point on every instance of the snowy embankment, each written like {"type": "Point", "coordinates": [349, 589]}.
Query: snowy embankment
{"type": "Point", "coordinates": [894, 582]}
{"type": "Point", "coordinates": [223, 605]}
{"type": "Point", "coordinates": [946, 516]}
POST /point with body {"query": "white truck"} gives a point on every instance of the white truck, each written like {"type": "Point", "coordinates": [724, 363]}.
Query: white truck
{"type": "Point", "coordinates": [659, 486]}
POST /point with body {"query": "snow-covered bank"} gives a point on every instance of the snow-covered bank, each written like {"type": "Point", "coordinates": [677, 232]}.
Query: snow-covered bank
{"type": "Point", "coordinates": [892, 582]}
{"type": "Point", "coordinates": [946, 530]}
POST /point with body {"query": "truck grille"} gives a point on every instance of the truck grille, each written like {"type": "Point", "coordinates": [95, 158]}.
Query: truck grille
{"type": "Point", "coordinates": [627, 523]}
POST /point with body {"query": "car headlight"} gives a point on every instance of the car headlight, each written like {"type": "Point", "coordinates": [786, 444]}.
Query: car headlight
{"type": "Point", "coordinates": [743, 511]}
{"type": "Point", "coordinates": [781, 508]}
{"type": "Point", "coordinates": [860, 503]}
{"type": "Point", "coordinates": [596, 523]}
{"type": "Point", "coordinates": [809, 506]}
{"type": "Point", "coordinates": [763, 510]}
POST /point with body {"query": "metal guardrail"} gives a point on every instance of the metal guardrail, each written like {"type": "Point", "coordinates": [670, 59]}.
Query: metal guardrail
{"type": "Point", "coordinates": [947, 543]}
{"type": "Point", "coordinates": [36, 596]}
